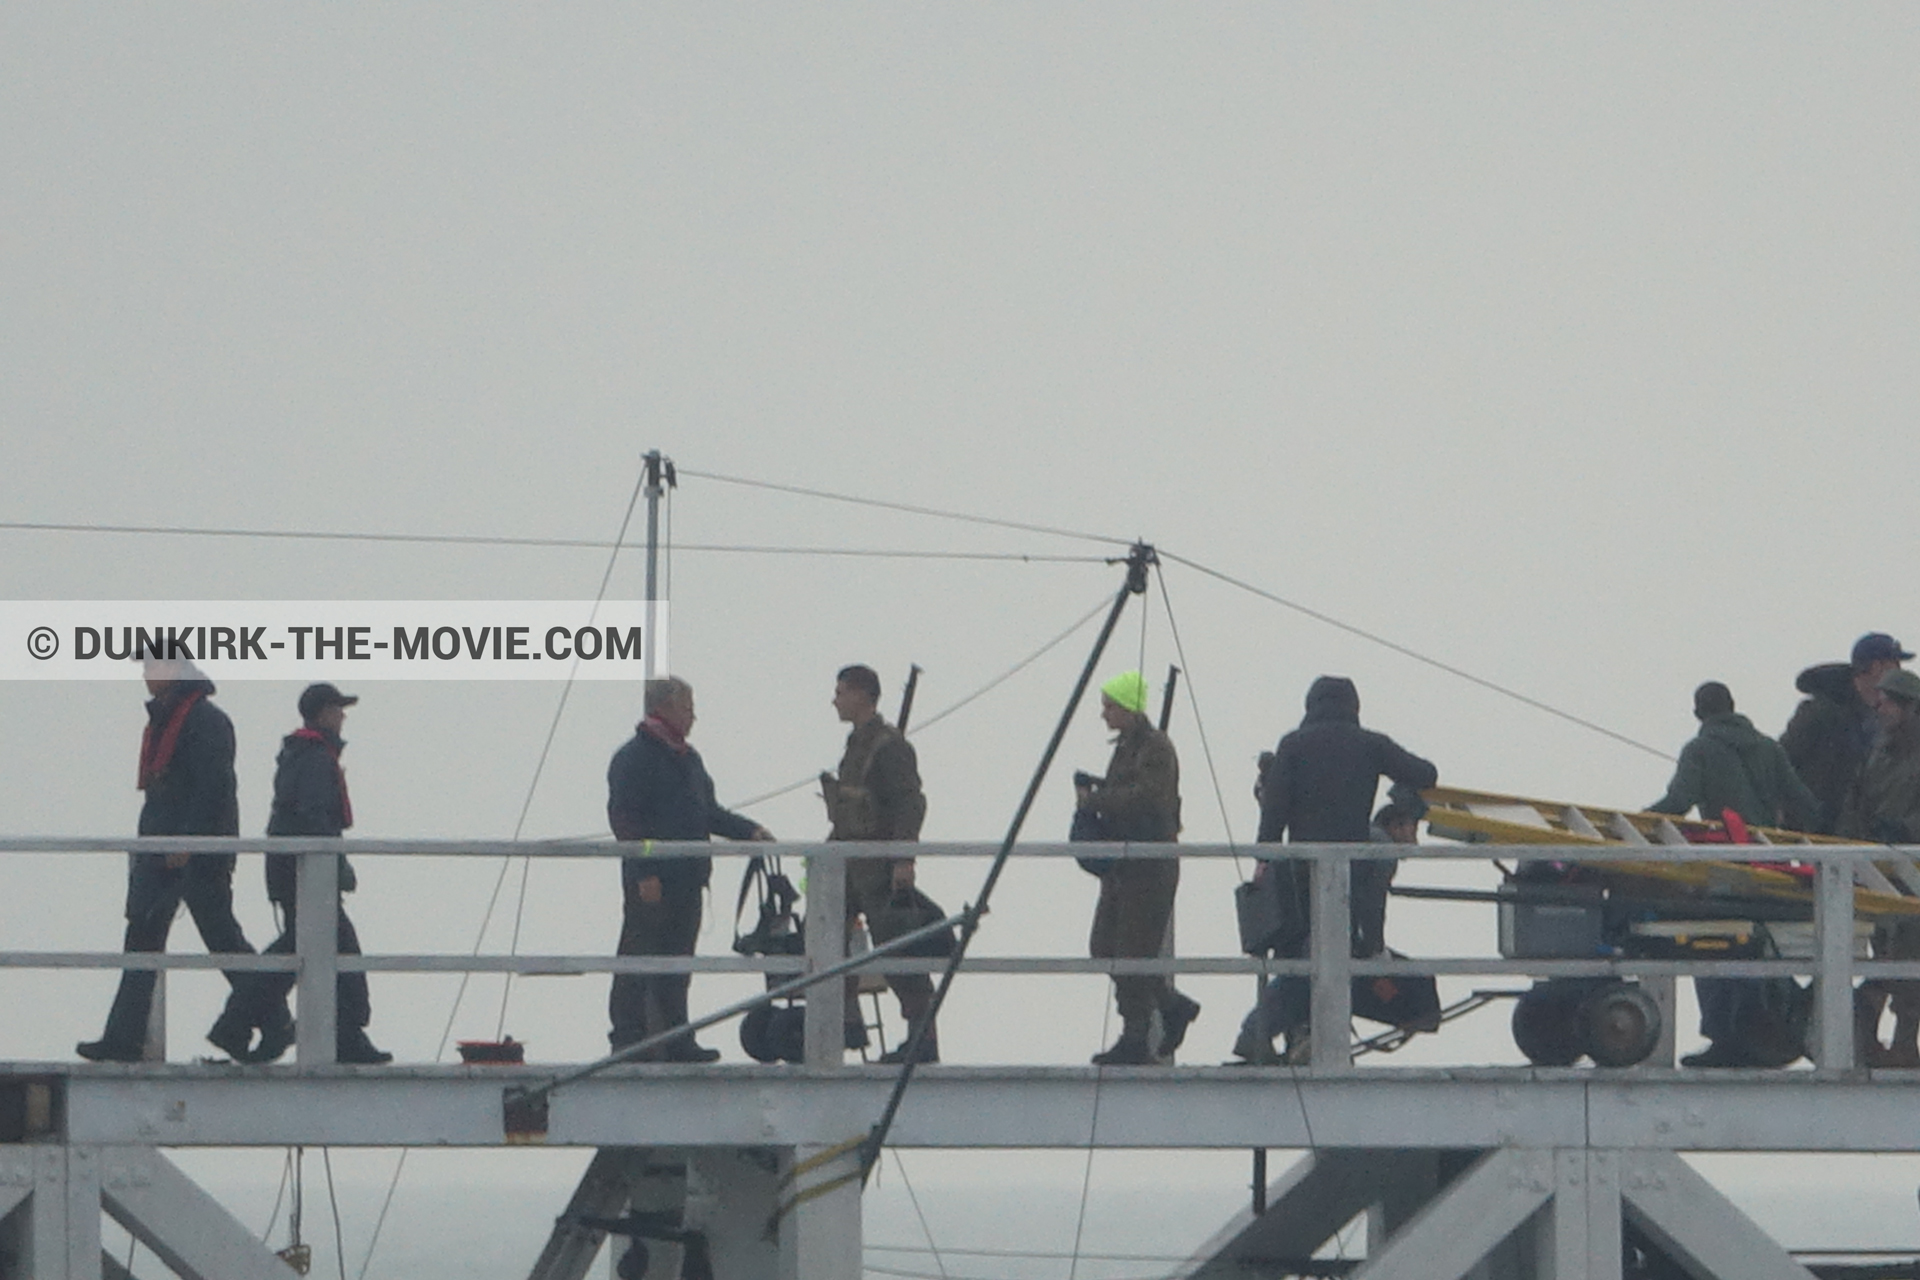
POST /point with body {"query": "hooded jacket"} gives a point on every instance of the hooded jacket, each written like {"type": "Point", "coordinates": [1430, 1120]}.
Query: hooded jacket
{"type": "Point", "coordinates": [1828, 739]}
{"type": "Point", "coordinates": [656, 791]}
{"type": "Point", "coordinates": [1732, 765]}
{"type": "Point", "coordinates": [195, 793]}
{"type": "Point", "coordinates": [1324, 775]}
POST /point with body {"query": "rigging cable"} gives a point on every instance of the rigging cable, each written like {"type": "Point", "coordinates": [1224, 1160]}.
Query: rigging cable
{"type": "Point", "coordinates": [914, 1198]}
{"type": "Point", "coordinates": [942, 714]}
{"type": "Point", "coordinates": [339, 1241]}
{"type": "Point", "coordinates": [910, 509]}
{"type": "Point", "coordinates": [1375, 638]}
{"type": "Point", "coordinates": [492, 540]}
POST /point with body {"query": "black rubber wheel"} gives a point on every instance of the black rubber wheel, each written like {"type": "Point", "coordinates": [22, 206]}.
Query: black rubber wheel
{"type": "Point", "coordinates": [1547, 1026]}
{"type": "Point", "coordinates": [1623, 1025]}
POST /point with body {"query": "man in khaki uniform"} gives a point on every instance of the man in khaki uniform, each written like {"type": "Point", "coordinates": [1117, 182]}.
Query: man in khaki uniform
{"type": "Point", "coordinates": [876, 796]}
{"type": "Point", "coordinates": [1884, 805]}
{"type": "Point", "coordinates": [1137, 800]}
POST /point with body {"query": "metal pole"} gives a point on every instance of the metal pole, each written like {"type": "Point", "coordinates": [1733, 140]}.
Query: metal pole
{"type": "Point", "coordinates": [655, 465]}
{"type": "Point", "coordinates": [1139, 559]}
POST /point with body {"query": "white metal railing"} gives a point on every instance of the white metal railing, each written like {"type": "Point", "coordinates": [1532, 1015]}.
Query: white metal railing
{"type": "Point", "coordinates": [316, 962]}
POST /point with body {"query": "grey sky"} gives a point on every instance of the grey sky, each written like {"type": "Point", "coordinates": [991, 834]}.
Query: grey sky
{"type": "Point", "coordinates": [1572, 347]}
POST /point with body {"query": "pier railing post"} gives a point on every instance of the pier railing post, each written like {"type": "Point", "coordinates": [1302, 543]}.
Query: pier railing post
{"type": "Point", "coordinates": [1331, 953]}
{"type": "Point", "coordinates": [316, 942]}
{"type": "Point", "coordinates": [1833, 980]}
{"type": "Point", "coordinates": [826, 946]}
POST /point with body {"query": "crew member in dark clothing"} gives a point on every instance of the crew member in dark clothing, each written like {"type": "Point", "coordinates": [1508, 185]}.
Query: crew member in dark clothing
{"type": "Point", "coordinates": [1833, 729]}
{"type": "Point", "coordinates": [876, 795]}
{"type": "Point", "coordinates": [1730, 766]}
{"type": "Point", "coordinates": [186, 770]}
{"type": "Point", "coordinates": [1138, 799]}
{"type": "Point", "coordinates": [658, 789]}
{"type": "Point", "coordinates": [1319, 788]}
{"type": "Point", "coordinates": [310, 799]}
{"type": "Point", "coordinates": [1884, 805]}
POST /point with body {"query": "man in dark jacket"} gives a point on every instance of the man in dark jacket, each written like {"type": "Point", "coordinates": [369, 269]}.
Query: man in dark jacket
{"type": "Point", "coordinates": [1137, 799]}
{"type": "Point", "coordinates": [1884, 806]}
{"type": "Point", "coordinates": [876, 795]}
{"type": "Point", "coordinates": [1833, 729]}
{"type": "Point", "coordinates": [658, 789]}
{"type": "Point", "coordinates": [186, 771]}
{"type": "Point", "coordinates": [310, 799]}
{"type": "Point", "coordinates": [1319, 788]}
{"type": "Point", "coordinates": [1730, 766]}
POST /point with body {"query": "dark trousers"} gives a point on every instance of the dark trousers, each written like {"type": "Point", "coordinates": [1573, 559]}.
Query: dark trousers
{"type": "Point", "coordinates": [1287, 1002]}
{"type": "Point", "coordinates": [354, 1011]}
{"type": "Point", "coordinates": [154, 893]}
{"type": "Point", "coordinates": [870, 893]}
{"type": "Point", "coordinates": [645, 1004]}
{"type": "Point", "coordinates": [1130, 922]}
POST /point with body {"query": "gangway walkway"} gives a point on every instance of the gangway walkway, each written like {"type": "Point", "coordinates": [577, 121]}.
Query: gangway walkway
{"type": "Point", "coordinates": [1497, 1172]}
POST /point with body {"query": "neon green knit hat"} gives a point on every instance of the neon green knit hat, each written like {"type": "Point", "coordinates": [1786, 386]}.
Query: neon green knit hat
{"type": "Point", "coordinates": [1129, 689]}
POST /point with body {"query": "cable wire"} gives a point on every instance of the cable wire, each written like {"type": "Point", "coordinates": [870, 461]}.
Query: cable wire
{"type": "Point", "coordinates": [913, 1197]}
{"type": "Point", "coordinates": [1375, 638]}
{"type": "Point", "coordinates": [492, 540]}
{"type": "Point", "coordinates": [333, 1202]}
{"type": "Point", "coordinates": [944, 712]}
{"type": "Point", "coordinates": [909, 508]}
{"type": "Point", "coordinates": [1199, 723]}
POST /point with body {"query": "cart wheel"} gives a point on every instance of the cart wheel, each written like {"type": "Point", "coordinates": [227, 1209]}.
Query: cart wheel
{"type": "Point", "coordinates": [1623, 1025]}
{"type": "Point", "coordinates": [1547, 1026]}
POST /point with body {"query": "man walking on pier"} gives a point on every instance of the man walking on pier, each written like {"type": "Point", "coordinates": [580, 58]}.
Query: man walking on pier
{"type": "Point", "coordinates": [1138, 799]}
{"type": "Point", "coordinates": [1884, 805]}
{"type": "Point", "coordinates": [310, 799]}
{"type": "Point", "coordinates": [658, 789]}
{"type": "Point", "coordinates": [186, 771]}
{"type": "Point", "coordinates": [1319, 788]}
{"type": "Point", "coordinates": [1832, 730]}
{"type": "Point", "coordinates": [876, 795]}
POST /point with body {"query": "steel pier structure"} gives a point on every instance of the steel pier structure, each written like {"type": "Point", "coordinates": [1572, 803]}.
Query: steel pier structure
{"type": "Point", "coordinates": [1486, 1173]}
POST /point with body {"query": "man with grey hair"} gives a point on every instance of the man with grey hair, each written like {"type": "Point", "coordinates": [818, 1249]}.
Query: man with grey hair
{"type": "Point", "coordinates": [658, 789]}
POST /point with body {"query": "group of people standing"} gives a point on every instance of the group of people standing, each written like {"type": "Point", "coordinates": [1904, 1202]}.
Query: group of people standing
{"type": "Point", "coordinates": [1848, 764]}
{"type": "Point", "coordinates": [190, 789]}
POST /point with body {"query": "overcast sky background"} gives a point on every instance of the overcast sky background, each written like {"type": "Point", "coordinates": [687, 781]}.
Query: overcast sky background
{"type": "Point", "coordinates": [1574, 348]}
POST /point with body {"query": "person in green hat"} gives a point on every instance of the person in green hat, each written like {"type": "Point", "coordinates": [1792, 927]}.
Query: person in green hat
{"type": "Point", "coordinates": [1138, 799]}
{"type": "Point", "coordinates": [1884, 806]}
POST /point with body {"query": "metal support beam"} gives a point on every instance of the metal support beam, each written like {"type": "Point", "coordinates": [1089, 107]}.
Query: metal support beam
{"type": "Point", "coordinates": [826, 946]}
{"type": "Point", "coordinates": [656, 1184]}
{"type": "Point", "coordinates": [166, 1211]}
{"type": "Point", "coordinates": [731, 1192]}
{"type": "Point", "coordinates": [1703, 1230]}
{"type": "Point", "coordinates": [316, 929]}
{"type": "Point", "coordinates": [824, 1221]}
{"type": "Point", "coordinates": [1331, 953]}
{"type": "Point", "coordinates": [1833, 984]}
{"type": "Point", "coordinates": [1465, 1222]}
{"type": "Point", "coordinates": [1580, 1239]}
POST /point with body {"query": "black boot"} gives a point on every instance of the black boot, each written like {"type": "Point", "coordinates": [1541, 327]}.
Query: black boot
{"type": "Point", "coordinates": [1177, 1015]}
{"type": "Point", "coordinates": [232, 1035]}
{"type": "Point", "coordinates": [929, 1049]}
{"type": "Point", "coordinates": [353, 1048]}
{"type": "Point", "coordinates": [108, 1050]}
{"type": "Point", "coordinates": [275, 1039]}
{"type": "Point", "coordinates": [1130, 1050]}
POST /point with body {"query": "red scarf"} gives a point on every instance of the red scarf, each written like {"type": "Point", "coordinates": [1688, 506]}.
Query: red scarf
{"type": "Point", "coordinates": [339, 774]}
{"type": "Point", "coordinates": [665, 732]}
{"type": "Point", "coordinates": [157, 753]}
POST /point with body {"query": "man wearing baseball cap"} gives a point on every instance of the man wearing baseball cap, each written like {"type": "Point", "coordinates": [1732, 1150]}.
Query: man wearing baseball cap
{"type": "Point", "coordinates": [1833, 729]}
{"type": "Point", "coordinates": [310, 799]}
{"type": "Point", "coordinates": [1884, 805]}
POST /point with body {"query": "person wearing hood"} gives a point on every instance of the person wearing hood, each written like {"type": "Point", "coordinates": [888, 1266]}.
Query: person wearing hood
{"type": "Point", "coordinates": [186, 773]}
{"type": "Point", "coordinates": [1833, 729]}
{"type": "Point", "coordinates": [1138, 799]}
{"type": "Point", "coordinates": [1730, 766]}
{"type": "Point", "coordinates": [658, 789]}
{"type": "Point", "coordinates": [310, 799]}
{"type": "Point", "coordinates": [1884, 806]}
{"type": "Point", "coordinates": [1319, 788]}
